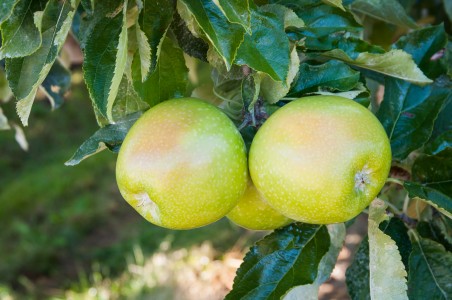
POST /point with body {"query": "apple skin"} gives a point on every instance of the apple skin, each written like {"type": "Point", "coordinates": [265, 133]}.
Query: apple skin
{"type": "Point", "coordinates": [320, 159]}
{"type": "Point", "coordinates": [253, 212]}
{"type": "Point", "coordinates": [183, 164]}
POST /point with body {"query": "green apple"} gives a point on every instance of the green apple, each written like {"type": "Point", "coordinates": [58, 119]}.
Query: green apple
{"type": "Point", "coordinates": [320, 159]}
{"type": "Point", "coordinates": [253, 212]}
{"type": "Point", "coordinates": [183, 164]}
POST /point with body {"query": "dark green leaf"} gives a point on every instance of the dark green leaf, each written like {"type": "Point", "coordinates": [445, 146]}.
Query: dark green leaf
{"type": "Point", "coordinates": [434, 197]}
{"type": "Point", "coordinates": [193, 46]}
{"type": "Point", "coordinates": [57, 83]}
{"type": "Point", "coordinates": [386, 10]}
{"type": "Point", "coordinates": [267, 49]}
{"type": "Point", "coordinates": [430, 270]}
{"type": "Point", "coordinates": [422, 45]}
{"type": "Point", "coordinates": [169, 80]}
{"type": "Point", "coordinates": [288, 257]}
{"type": "Point", "coordinates": [272, 91]}
{"type": "Point", "coordinates": [444, 226]}
{"type": "Point", "coordinates": [155, 18]}
{"type": "Point", "coordinates": [110, 136]}
{"type": "Point", "coordinates": [431, 230]}
{"type": "Point", "coordinates": [321, 19]}
{"type": "Point", "coordinates": [443, 122]}
{"type": "Point", "coordinates": [237, 11]}
{"type": "Point", "coordinates": [6, 9]}
{"type": "Point", "coordinates": [441, 143]}
{"type": "Point", "coordinates": [226, 37]}
{"type": "Point", "coordinates": [20, 34]}
{"type": "Point", "coordinates": [435, 171]}
{"type": "Point", "coordinates": [408, 113]}
{"type": "Point", "coordinates": [434, 180]}
{"type": "Point", "coordinates": [333, 75]}
{"type": "Point", "coordinates": [357, 275]}
{"type": "Point", "coordinates": [26, 74]}
{"type": "Point", "coordinates": [326, 266]}
{"type": "Point", "coordinates": [105, 56]}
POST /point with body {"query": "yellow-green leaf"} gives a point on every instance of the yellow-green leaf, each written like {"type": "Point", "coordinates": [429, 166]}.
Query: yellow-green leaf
{"type": "Point", "coordinates": [387, 272]}
{"type": "Point", "coordinates": [395, 63]}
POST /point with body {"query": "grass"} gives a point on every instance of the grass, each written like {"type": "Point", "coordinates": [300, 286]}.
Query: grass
{"type": "Point", "coordinates": [59, 222]}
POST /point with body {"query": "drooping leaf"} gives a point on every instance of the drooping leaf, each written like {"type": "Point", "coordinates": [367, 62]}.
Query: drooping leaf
{"type": "Point", "coordinates": [3, 121]}
{"type": "Point", "coordinates": [127, 101]}
{"type": "Point", "coordinates": [430, 270]}
{"type": "Point", "coordinates": [359, 93]}
{"type": "Point", "coordinates": [336, 3]}
{"type": "Point", "coordinates": [169, 80]}
{"type": "Point", "coordinates": [251, 86]}
{"type": "Point", "coordinates": [110, 136]}
{"type": "Point", "coordinates": [288, 257]}
{"type": "Point", "coordinates": [226, 37]}
{"type": "Point", "coordinates": [21, 34]}
{"type": "Point", "coordinates": [432, 196]}
{"type": "Point", "coordinates": [105, 57]}
{"type": "Point", "coordinates": [154, 20]}
{"type": "Point", "coordinates": [326, 266]}
{"type": "Point", "coordinates": [443, 225]}
{"type": "Point", "coordinates": [390, 11]}
{"type": "Point", "coordinates": [422, 44]}
{"type": "Point", "coordinates": [387, 275]}
{"type": "Point", "coordinates": [5, 91]}
{"type": "Point", "coordinates": [26, 74]}
{"type": "Point", "coordinates": [20, 137]}
{"type": "Point", "coordinates": [333, 75]}
{"type": "Point", "coordinates": [397, 230]}
{"type": "Point", "coordinates": [432, 181]}
{"type": "Point", "coordinates": [56, 84]}
{"type": "Point", "coordinates": [395, 63]}
{"type": "Point", "coordinates": [267, 49]}
{"type": "Point", "coordinates": [6, 9]}
{"type": "Point", "coordinates": [237, 11]}
{"type": "Point", "coordinates": [191, 44]}
{"type": "Point", "coordinates": [408, 113]}
{"type": "Point", "coordinates": [273, 91]}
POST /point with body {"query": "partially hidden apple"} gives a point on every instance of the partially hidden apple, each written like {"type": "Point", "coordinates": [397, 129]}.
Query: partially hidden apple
{"type": "Point", "coordinates": [253, 212]}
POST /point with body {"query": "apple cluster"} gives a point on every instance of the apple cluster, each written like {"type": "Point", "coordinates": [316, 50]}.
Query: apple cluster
{"type": "Point", "coordinates": [184, 164]}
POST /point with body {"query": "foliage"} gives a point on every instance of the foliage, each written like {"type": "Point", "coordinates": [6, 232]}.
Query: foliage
{"type": "Point", "coordinates": [250, 58]}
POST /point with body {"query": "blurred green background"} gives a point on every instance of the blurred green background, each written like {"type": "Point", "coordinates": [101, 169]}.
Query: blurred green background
{"type": "Point", "coordinates": [67, 233]}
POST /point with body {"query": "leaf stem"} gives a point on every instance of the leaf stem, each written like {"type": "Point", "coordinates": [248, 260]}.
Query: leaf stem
{"type": "Point", "coordinates": [394, 180]}
{"type": "Point", "coordinates": [393, 207]}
